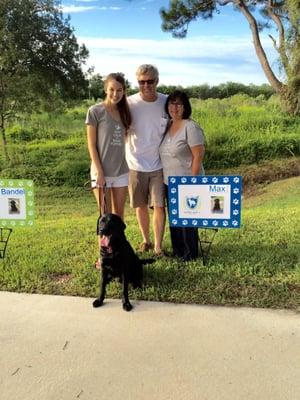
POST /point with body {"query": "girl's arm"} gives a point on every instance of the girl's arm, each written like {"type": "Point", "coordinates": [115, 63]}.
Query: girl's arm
{"type": "Point", "coordinates": [92, 147]}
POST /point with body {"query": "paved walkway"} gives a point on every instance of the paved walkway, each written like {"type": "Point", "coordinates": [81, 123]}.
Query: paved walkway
{"type": "Point", "coordinates": [60, 348]}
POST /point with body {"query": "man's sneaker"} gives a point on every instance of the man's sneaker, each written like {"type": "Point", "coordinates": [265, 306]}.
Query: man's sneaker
{"type": "Point", "coordinates": [160, 254]}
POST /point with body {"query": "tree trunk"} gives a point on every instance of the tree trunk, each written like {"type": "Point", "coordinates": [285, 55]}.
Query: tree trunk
{"type": "Point", "coordinates": [291, 100]}
{"type": "Point", "coordinates": [4, 142]}
{"type": "Point", "coordinates": [274, 82]}
{"type": "Point", "coordinates": [281, 45]}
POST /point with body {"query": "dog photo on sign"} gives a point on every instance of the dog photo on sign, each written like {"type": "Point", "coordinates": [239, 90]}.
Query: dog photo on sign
{"type": "Point", "coordinates": [13, 206]}
{"type": "Point", "coordinates": [217, 204]}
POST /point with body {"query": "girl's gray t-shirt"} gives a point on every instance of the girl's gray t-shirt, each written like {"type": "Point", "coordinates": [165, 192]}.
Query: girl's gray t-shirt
{"type": "Point", "coordinates": [175, 151]}
{"type": "Point", "coordinates": [110, 140]}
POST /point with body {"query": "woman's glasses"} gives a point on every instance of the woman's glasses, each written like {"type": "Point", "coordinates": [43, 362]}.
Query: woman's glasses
{"type": "Point", "coordinates": [175, 104]}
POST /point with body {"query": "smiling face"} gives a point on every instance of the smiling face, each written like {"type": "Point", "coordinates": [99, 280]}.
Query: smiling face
{"type": "Point", "coordinates": [147, 84]}
{"type": "Point", "coordinates": [176, 109]}
{"type": "Point", "coordinates": [114, 91]}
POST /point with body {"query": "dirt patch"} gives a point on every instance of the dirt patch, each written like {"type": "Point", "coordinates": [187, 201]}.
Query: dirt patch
{"type": "Point", "coordinates": [256, 177]}
{"type": "Point", "coordinates": [60, 278]}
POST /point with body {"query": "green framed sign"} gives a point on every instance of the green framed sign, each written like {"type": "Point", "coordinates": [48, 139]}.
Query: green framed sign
{"type": "Point", "coordinates": [16, 202]}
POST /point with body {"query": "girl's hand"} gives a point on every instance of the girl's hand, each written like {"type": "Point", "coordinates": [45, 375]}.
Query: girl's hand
{"type": "Point", "coordinates": [100, 180]}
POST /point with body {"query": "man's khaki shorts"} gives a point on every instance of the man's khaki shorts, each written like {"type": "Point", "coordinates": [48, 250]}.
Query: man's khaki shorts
{"type": "Point", "coordinates": [146, 188]}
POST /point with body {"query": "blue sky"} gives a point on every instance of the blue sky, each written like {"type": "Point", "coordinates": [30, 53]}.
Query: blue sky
{"type": "Point", "coordinates": [122, 34]}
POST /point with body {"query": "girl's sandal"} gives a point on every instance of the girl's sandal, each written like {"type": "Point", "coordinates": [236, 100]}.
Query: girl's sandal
{"type": "Point", "coordinates": [97, 264]}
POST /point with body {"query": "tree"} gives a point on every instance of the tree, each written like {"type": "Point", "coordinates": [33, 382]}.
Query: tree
{"type": "Point", "coordinates": [292, 94]}
{"type": "Point", "coordinates": [96, 87]}
{"type": "Point", "coordinates": [167, 89]}
{"type": "Point", "coordinates": [282, 14]}
{"type": "Point", "coordinates": [40, 58]}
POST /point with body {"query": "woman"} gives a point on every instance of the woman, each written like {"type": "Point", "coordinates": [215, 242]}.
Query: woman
{"type": "Point", "coordinates": [107, 126]}
{"type": "Point", "coordinates": [181, 152]}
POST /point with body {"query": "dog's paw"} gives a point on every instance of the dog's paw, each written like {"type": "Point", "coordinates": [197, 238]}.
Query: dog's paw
{"type": "Point", "coordinates": [127, 306]}
{"type": "Point", "coordinates": [97, 303]}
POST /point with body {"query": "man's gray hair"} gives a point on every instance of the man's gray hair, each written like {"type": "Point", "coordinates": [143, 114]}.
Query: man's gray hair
{"type": "Point", "coordinates": [147, 69]}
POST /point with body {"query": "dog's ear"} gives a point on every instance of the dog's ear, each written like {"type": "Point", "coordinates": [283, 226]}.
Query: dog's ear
{"type": "Point", "coordinates": [98, 226]}
{"type": "Point", "coordinates": [117, 221]}
{"type": "Point", "coordinates": [122, 225]}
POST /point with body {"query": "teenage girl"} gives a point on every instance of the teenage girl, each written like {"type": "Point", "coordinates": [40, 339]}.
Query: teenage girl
{"type": "Point", "coordinates": [107, 126]}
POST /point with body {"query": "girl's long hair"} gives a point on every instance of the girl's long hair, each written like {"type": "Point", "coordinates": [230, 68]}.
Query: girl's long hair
{"type": "Point", "coordinates": [122, 106]}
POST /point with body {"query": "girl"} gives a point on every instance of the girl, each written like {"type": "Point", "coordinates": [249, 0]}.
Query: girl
{"type": "Point", "coordinates": [107, 126]}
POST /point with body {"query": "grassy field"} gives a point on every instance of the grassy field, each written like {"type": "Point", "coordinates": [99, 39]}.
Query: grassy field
{"type": "Point", "coordinates": [242, 130]}
{"type": "Point", "coordinates": [257, 265]}
{"type": "Point", "coordinates": [51, 148]}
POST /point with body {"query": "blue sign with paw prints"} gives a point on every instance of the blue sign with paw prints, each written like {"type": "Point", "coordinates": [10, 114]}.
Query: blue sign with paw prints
{"type": "Point", "coordinates": [205, 201]}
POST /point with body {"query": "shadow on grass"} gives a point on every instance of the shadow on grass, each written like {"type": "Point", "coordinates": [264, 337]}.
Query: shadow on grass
{"type": "Point", "coordinates": [238, 274]}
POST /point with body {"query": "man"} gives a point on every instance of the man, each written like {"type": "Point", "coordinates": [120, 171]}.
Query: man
{"type": "Point", "coordinates": [146, 188]}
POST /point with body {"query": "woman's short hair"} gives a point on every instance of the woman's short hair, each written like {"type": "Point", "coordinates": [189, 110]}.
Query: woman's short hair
{"type": "Point", "coordinates": [183, 98]}
{"type": "Point", "coordinates": [147, 69]}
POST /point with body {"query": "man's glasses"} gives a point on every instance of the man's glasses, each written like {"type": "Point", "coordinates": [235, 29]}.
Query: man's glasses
{"type": "Point", "coordinates": [148, 81]}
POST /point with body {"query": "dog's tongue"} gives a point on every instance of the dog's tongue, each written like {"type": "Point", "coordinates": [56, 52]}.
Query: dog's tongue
{"type": "Point", "coordinates": [104, 242]}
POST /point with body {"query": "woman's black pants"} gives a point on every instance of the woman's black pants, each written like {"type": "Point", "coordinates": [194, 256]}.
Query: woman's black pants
{"type": "Point", "coordinates": [185, 241]}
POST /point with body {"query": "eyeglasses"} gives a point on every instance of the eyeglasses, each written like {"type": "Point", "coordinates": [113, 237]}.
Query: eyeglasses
{"type": "Point", "coordinates": [148, 81]}
{"type": "Point", "coordinates": [175, 104]}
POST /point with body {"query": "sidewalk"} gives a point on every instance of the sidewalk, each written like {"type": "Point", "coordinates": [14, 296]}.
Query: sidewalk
{"type": "Point", "coordinates": [60, 348]}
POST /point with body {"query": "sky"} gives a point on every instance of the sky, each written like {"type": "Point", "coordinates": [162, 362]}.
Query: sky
{"type": "Point", "coordinates": [123, 34]}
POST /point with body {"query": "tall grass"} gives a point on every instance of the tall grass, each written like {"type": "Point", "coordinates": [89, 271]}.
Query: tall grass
{"type": "Point", "coordinates": [243, 130]}
{"type": "Point", "coordinates": [51, 148]}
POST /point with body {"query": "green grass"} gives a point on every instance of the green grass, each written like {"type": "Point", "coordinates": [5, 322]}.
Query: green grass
{"type": "Point", "coordinates": [257, 265]}
{"type": "Point", "coordinates": [242, 130]}
{"type": "Point", "coordinates": [51, 149]}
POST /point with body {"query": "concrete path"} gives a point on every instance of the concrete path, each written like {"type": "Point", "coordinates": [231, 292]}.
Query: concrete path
{"type": "Point", "coordinates": [60, 348]}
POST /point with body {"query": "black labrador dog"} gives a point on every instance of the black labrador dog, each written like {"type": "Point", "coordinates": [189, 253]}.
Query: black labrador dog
{"type": "Point", "coordinates": [118, 259]}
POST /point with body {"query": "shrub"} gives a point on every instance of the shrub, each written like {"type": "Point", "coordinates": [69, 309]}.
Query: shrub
{"type": "Point", "coordinates": [18, 133]}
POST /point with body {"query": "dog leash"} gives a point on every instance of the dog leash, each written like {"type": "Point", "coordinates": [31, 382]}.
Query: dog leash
{"type": "Point", "coordinates": [88, 186]}
{"type": "Point", "coordinates": [102, 201]}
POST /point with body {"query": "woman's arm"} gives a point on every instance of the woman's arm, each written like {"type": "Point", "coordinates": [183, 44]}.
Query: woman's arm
{"type": "Point", "coordinates": [92, 147]}
{"type": "Point", "coordinates": [197, 158]}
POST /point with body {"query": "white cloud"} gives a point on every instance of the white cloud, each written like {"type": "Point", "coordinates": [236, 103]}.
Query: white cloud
{"type": "Point", "coordinates": [196, 60]}
{"type": "Point", "coordinates": [79, 9]}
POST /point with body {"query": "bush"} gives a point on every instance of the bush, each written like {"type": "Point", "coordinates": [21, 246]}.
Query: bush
{"type": "Point", "coordinates": [73, 172]}
{"type": "Point", "coordinates": [18, 133]}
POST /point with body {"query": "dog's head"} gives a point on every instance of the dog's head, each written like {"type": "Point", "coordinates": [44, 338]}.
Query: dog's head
{"type": "Point", "coordinates": [111, 225]}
